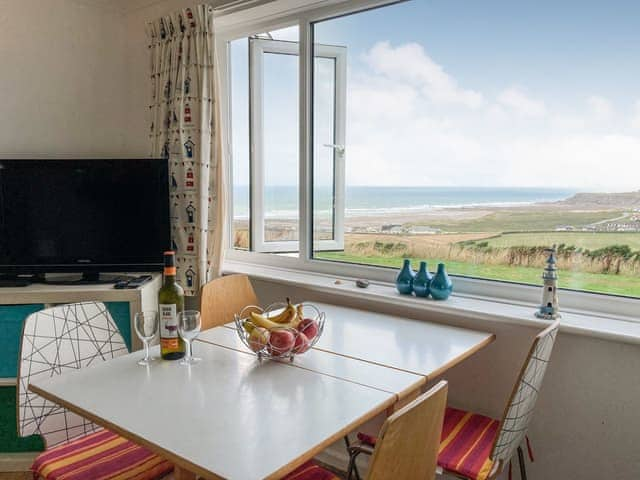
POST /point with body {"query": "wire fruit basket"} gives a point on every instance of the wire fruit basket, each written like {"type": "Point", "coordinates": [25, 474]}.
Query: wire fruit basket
{"type": "Point", "coordinates": [281, 330]}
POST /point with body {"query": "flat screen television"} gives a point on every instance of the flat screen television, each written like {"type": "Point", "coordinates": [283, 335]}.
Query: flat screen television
{"type": "Point", "coordinates": [83, 215]}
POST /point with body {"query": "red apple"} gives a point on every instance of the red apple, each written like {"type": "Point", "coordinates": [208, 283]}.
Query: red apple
{"type": "Point", "coordinates": [309, 327]}
{"type": "Point", "coordinates": [258, 338]}
{"type": "Point", "coordinates": [281, 342]}
{"type": "Point", "coordinates": [302, 343]}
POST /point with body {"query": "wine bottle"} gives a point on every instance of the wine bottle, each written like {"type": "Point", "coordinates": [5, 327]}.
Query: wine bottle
{"type": "Point", "coordinates": [170, 303]}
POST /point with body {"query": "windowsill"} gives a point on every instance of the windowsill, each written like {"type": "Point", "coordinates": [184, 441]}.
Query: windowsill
{"type": "Point", "coordinates": [608, 327]}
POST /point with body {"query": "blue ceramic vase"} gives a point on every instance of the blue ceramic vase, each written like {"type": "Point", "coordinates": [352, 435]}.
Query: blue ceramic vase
{"type": "Point", "coordinates": [404, 280]}
{"type": "Point", "coordinates": [422, 281]}
{"type": "Point", "coordinates": [441, 286]}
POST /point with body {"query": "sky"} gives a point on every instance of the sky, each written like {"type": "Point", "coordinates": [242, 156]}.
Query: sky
{"type": "Point", "coordinates": [464, 93]}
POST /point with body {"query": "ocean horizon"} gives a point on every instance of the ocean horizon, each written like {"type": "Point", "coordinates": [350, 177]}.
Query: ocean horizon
{"type": "Point", "coordinates": [282, 201]}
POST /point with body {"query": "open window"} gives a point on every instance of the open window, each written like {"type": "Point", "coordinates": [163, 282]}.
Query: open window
{"type": "Point", "coordinates": [274, 152]}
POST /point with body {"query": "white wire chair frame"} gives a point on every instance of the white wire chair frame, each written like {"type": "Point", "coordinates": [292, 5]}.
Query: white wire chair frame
{"type": "Point", "coordinates": [519, 410]}
{"type": "Point", "coordinates": [55, 341]}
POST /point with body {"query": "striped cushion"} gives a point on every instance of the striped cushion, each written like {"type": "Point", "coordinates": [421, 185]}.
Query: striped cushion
{"type": "Point", "coordinates": [100, 456]}
{"type": "Point", "coordinates": [311, 471]}
{"type": "Point", "coordinates": [466, 443]}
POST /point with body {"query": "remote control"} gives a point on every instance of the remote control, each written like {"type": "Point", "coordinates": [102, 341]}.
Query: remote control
{"type": "Point", "coordinates": [133, 283]}
{"type": "Point", "coordinates": [136, 282]}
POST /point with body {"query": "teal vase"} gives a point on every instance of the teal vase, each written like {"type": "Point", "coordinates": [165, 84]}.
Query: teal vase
{"type": "Point", "coordinates": [404, 280]}
{"type": "Point", "coordinates": [422, 281]}
{"type": "Point", "coordinates": [441, 286]}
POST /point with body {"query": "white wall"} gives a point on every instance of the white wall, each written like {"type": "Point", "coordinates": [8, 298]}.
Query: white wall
{"type": "Point", "coordinates": [586, 425]}
{"type": "Point", "coordinates": [63, 78]}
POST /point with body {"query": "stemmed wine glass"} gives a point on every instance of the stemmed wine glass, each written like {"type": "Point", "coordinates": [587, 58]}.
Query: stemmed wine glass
{"type": "Point", "coordinates": [189, 327]}
{"type": "Point", "coordinates": [146, 325]}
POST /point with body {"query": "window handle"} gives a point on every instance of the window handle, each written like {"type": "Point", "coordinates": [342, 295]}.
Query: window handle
{"type": "Point", "coordinates": [337, 148]}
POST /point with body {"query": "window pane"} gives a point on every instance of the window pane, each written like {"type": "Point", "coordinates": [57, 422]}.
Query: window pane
{"type": "Point", "coordinates": [239, 59]}
{"type": "Point", "coordinates": [280, 116]}
{"type": "Point", "coordinates": [323, 159]}
{"type": "Point", "coordinates": [479, 136]}
{"type": "Point", "coordinates": [264, 123]}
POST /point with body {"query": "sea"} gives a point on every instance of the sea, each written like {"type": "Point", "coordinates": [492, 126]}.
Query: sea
{"type": "Point", "coordinates": [282, 201]}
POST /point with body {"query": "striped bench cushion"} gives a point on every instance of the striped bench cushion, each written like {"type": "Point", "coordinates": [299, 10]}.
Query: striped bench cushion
{"type": "Point", "coordinates": [311, 471]}
{"type": "Point", "coordinates": [466, 443]}
{"type": "Point", "coordinates": [100, 456]}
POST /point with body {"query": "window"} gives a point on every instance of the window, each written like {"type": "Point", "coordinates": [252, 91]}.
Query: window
{"type": "Point", "coordinates": [265, 126]}
{"type": "Point", "coordinates": [475, 136]}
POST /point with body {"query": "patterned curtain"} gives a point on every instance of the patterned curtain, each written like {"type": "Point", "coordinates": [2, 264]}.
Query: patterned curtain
{"type": "Point", "coordinates": [184, 120]}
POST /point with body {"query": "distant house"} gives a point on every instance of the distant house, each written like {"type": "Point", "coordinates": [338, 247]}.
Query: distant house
{"type": "Point", "coordinates": [392, 228]}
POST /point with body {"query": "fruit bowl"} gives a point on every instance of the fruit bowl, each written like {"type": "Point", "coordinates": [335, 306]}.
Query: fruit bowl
{"type": "Point", "coordinates": [281, 330]}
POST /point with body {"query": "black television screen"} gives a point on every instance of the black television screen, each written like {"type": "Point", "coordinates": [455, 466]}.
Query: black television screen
{"type": "Point", "coordinates": [83, 215]}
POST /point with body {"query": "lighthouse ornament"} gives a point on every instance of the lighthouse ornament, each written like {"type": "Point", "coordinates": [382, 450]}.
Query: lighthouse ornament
{"type": "Point", "coordinates": [549, 308]}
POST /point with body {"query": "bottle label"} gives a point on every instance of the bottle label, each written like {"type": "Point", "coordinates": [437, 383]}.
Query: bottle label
{"type": "Point", "coordinates": [168, 325]}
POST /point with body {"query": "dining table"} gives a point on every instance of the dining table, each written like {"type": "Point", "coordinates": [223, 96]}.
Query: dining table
{"type": "Point", "coordinates": [234, 416]}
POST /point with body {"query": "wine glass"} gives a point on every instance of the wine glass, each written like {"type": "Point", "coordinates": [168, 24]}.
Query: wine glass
{"type": "Point", "coordinates": [189, 327]}
{"type": "Point", "coordinates": [146, 325]}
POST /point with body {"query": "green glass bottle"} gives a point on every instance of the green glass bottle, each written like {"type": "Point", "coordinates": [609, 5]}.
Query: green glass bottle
{"type": "Point", "coordinates": [170, 303]}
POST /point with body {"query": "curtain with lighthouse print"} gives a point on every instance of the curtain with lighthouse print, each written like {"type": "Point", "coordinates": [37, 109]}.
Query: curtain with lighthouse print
{"type": "Point", "coordinates": [183, 128]}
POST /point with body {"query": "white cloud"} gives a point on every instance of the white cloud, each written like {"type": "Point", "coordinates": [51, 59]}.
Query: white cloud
{"type": "Point", "coordinates": [517, 100]}
{"type": "Point", "coordinates": [635, 119]}
{"type": "Point", "coordinates": [600, 107]}
{"type": "Point", "coordinates": [399, 135]}
{"type": "Point", "coordinates": [410, 63]}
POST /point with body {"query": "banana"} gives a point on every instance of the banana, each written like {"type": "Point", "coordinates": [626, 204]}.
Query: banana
{"type": "Point", "coordinates": [298, 317]}
{"type": "Point", "coordinates": [262, 321]}
{"type": "Point", "coordinates": [290, 317]}
{"type": "Point", "coordinates": [248, 326]}
{"type": "Point", "coordinates": [287, 315]}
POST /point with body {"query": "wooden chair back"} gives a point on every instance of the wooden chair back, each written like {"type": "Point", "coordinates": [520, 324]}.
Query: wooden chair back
{"type": "Point", "coordinates": [56, 341]}
{"type": "Point", "coordinates": [409, 440]}
{"type": "Point", "coordinates": [221, 298]}
{"type": "Point", "coordinates": [519, 410]}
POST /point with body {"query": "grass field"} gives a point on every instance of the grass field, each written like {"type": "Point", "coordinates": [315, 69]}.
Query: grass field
{"type": "Point", "coordinates": [588, 240]}
{"type": "Point", "coordinates": [523, 221]}
{"type": "Point", "coordinates": [590, 282]}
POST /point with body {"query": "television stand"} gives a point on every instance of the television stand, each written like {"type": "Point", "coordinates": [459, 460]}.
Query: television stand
{"type": "Point", "coordinates": [87, 278]}
{"type": "Point", "coordinates": [14, 281]}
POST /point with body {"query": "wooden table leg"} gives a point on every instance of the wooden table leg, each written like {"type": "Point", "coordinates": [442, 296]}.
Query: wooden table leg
{"type": "Point", "coordinates": [182, 474]}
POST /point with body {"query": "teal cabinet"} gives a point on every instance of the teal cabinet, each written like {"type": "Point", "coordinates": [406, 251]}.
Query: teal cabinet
{"type": "Point", "coordinates": [121, 314]}
{"type": "Point", "coordinates": [12, 318]}
{"type": "Point", "coordinates": [16, 304]}
{"type": "Point", "coordinates": [9, 440]}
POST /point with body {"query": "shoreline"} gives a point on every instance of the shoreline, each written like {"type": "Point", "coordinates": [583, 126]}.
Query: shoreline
{"type": "Point", "coordinates": [580, 212]}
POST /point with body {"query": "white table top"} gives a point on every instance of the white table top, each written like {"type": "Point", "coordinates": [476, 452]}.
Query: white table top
{"type": "Point", "coordinates": [415, 346]}
{"type": "Point", "coordinates": [353, 370]}
{"type": "Point", "coordinates": [228, 416]}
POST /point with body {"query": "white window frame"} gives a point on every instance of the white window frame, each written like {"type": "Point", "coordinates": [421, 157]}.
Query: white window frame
{"type": "Point", "coordinates": [232, 24]}
{"type": "Point", "coordinates": [258, 47]}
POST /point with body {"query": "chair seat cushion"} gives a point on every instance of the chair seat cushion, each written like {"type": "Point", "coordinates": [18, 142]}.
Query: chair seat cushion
{"type": "Point", "coordinates": [102, 455]}
{"type": "Point", "coordinates": [311, 471]}
{"type": "Point", "coordinates": [466, 443]}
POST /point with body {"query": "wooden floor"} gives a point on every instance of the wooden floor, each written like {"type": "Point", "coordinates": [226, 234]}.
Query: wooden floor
{"type": "Point", "coordinates": [16, 476]}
